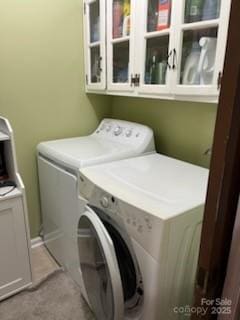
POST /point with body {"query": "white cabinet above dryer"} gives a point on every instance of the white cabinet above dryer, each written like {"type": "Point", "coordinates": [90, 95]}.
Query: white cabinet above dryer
{"type": "Point", "coordinates": [156, 48]}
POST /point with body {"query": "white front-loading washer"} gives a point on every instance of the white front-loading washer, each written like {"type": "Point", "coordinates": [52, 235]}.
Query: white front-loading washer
{"type": "Point", "coordinates": [59, 162]}
{"type": "Point", "coordinates": [138, 236]}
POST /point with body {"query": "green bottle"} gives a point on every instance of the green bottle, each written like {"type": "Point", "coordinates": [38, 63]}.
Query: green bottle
{"type": "Point", "coordinates": [153, 71]}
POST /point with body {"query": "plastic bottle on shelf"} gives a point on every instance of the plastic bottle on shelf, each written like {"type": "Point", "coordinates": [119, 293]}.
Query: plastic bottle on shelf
{"type": "Point", "coordinates": [126, 17]}
{"type": "Point", "coordinates": [153, 70]}
{"type": "Point", "coordinates": [161, 72]}
{"type": "Point", "coordinates": [164, 12]}
{"type": "Point", "coordinates": [190, 72]}
{"type": "Point", "coordinates": [207, 59]}
{"type": "Point", "coordinates": [117, 19]}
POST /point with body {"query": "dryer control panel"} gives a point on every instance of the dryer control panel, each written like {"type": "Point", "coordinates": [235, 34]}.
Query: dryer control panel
{"type": "Point", "coordinates": [125, 132]}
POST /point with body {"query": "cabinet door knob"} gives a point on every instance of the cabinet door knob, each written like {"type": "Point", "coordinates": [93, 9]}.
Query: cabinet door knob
{"type": "Point", "coordinates": [100, 64]}
{"type": "Point", "coordinates": [133, 79]}
{"type": "Point", "coordinates": [174, 59]}
{"type": "Point", "coordinates": [219, 81]}
{"type": "Point", "coordinates": [168, 57]}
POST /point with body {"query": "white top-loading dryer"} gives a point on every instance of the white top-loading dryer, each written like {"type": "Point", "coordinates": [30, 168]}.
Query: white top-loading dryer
{"type": "Point", "coordinates": [59, 162]}
{"type": "Point", "coordinates": [139, 235]}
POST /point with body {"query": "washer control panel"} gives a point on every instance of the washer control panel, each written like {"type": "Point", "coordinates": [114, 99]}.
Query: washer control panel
{"type": "Point", "coordinates": [126, 132]}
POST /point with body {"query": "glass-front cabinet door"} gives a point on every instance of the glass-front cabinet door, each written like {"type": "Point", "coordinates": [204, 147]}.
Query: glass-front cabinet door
{"type": "Point", "coordinates": [201, 32]}
{"type": "Point", "coordinates": [94, 33]}
{"type": "Point", "coordinates": [157, 40]}
{"type": "Point", "coordinates": [120, 58]}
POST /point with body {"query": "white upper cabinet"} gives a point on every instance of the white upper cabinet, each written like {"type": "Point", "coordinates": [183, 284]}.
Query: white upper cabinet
{"type": "Point", "coordinates": [157, 48]}
{"type": "Point", "coordinates": [95, 44]}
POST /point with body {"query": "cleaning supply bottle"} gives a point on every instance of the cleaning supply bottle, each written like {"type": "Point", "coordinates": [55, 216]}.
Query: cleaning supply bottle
{"type": "Point", "coordinates": [211, 9]}
{"type": "Point", "coordinates": [126, 17]}
{"type": "Point", "coordinates": [207, 59]}
{"type": "Point", "coordinates": [153, 70]}
{"type": "Point", "coordinates": [194, 9]}
{"type": "Point", "coordinates": [164, 12]}
{"type": "Point", "coordinates": [126, 8]}
{"type": "Point", "coordinates": [190, 74]}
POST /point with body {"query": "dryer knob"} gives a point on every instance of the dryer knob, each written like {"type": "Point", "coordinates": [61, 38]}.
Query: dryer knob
{"type": "Point", "coordinates": [108, 128]}
{"type": "Point", "coordinates": [104, 202]}
{"type": "Point", "coordinates": [128, 133]}
{"type": "Point", "coordinates": [118, 131]}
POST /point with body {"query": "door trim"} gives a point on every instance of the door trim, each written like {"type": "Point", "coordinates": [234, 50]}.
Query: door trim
{"type": "Point", "coordinates": [224, 179]}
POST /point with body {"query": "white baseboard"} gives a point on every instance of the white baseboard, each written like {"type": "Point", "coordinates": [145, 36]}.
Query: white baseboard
{"type": "Point", "coordinates": [36, 242]}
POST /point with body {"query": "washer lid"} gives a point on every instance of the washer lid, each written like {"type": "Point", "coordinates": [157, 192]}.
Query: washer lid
{"type": "Point", "coordinates": [157, 184]}
{"type": "Point", "coordinates": [83, 151]}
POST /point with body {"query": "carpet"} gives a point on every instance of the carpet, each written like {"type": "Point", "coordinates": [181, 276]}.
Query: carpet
{"type": "Point", "coordinates": [55, 298]}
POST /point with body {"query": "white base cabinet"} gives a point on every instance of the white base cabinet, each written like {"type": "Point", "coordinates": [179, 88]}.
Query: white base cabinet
{"type": "Point", "coordinates": [167, 49]}
{"type": "Point", "coordinates": [15, 260]}
{"type": "Point", "coordinates": [15, 272]}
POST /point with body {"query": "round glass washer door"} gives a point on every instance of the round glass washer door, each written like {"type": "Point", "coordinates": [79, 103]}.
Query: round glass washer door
{"type": "Point", "coordinates": [99, 267]}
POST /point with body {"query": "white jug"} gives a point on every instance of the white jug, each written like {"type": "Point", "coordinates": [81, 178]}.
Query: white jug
{"type": "Point", "coordinates": [207, 60]}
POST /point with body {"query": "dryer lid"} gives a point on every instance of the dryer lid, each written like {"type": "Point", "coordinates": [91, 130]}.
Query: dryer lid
{"type": "Point", "coordinates": [112, 140]}
{"type": "Point", "coordinates": [83, 151]}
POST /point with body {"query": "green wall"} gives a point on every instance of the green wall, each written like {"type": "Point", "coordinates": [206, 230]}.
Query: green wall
{"type": "Point", "coordinates": [41, 81]}
{"type": "Point", "coordinates": [182, 130]}
{"type": "Point", "coordinates": [42, 92]}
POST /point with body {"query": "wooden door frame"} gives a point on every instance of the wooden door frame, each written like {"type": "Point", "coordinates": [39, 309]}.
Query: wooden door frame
{"type": "Point", "coordinates": [224, 178]}
{"type": "Point", "coordinates": [231, 290]}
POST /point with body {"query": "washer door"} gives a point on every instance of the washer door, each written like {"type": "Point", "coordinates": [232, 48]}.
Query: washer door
{"type": "Point", "coordinates": [99, 267]}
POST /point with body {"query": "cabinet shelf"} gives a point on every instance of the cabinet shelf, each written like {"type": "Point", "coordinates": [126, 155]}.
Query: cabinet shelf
{"type": "Point", "coordinates": [94, 44]}
{"type": "Point", "coordinates": [119, 40]}
{"type": "Point", "coordinates": [155, 34]}
{"type": "Point", "coordinates": [201, 25]}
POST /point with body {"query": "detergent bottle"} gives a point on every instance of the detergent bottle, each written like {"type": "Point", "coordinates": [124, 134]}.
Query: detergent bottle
{"type": "Point", "coordinates": [190, 71]}
{"type": "Point", "coordinates": [164, 12]}
{"type": "Point", "coordinates": [207, 59]}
